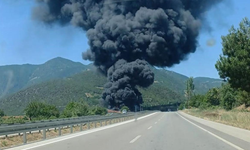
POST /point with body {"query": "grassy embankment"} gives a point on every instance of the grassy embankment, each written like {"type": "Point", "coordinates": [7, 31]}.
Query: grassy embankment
{"type": "Point", "coordinates": [236, 118]}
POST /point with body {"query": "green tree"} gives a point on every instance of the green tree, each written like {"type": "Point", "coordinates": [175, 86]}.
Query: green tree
{"type": "Point", "coordinates": [97, 110]}
{"type": "Point", "coordinates": [189, 89]}
{"type": "Point", "coordinates": [50, 111]}
{"type": "Point", "coordinates": [32, 110]}
{"type": "Point", "coordinates": [1, 113]}
{"type": "Point", "coordinates": [76, 109]}
{"type": "Point", "coordinates": [196, 100]}
{"type": "Point", "coordinates": [181, 107]}
{"type": "Point", "coordinates": [212, 97]}
{"type": "Point", "coordinates": [242, 97]}
{"type": "Point", "coordinates": [234, 65]}
{"type": "Point", "coordinates": [41, 110]}
{"type": "Point", "coordinates": [227, 97]}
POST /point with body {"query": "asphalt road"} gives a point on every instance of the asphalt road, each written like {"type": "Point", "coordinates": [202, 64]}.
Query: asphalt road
{"type": "Point", "coordinates": [160, 131]}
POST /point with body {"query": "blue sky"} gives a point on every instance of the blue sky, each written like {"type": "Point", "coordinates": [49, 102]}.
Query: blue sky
{"type": "Point", "coordinates": [23, 40]}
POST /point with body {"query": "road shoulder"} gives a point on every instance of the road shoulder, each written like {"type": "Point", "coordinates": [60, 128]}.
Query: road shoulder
{"type": "Point", "coordinates": [230, 130]}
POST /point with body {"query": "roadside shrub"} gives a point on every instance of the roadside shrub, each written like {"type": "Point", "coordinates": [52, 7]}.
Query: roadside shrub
{"type": "Point", "coordinates": [181, 107]}
{"type": "Point", "coordinates": [124, 107]}
{"type": "Point", "coordinates": [2, 113]}
{"type": "Point", "coordinates": [39, 110]}
{"type": "Point", "coordinates": [39, 118]}
{"type": "Point", "coordinates": [97, 110]}
{"type": "Point", "coordinates": [12, 120]}
{"type": "Point", "coordinates": [204, 106]}
{"type": "Point", "coordinates": [52, 117]}
{"type": "Point", "coordinates": [75, 109]}
{"type": "Point", "coordinates": [25, 118]}
{"type": "Point", "coordinates": [197, 100]}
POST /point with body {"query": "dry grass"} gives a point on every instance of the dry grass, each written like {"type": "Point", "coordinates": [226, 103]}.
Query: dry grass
{"type": "Point", "coordinates": [16, 140]}
{"type": "Point", "coordinates": [234, 118]}
{"type": "Point", "coordinates": [6, 117]}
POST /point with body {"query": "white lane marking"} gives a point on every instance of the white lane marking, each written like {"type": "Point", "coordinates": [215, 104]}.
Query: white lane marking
{"type": "Point", "coordinates": [155, 122]}
{"type": "Point", "coordinates": [147, 116]}
{"type": "Point", "coordinates": [149, 127]}
{"type": "Point", "coordinates": [220, 138]}
{"type": "Point", "coordinates": [59, 139]}
{"type": "Point", "coordinates": [136, 138]}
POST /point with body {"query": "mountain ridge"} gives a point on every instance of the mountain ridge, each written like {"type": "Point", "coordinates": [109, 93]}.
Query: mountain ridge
{"type": "Point", "coordinates": [59, 81]}
{"type": "Point", "coordinates": [16, 77]}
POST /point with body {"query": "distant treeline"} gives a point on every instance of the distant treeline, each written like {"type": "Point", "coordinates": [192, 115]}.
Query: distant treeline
{"type": "Point", "coordinates": [225, 97]}
{"type": "Point", "coordinates": [43, 111]}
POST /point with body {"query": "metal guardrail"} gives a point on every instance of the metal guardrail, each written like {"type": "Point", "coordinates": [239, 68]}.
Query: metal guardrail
{"type": "Point", "coordinates": [12, 129]}
{"type": "Point", "coordinates": [52, 120]}
{"type": "Point", "coordinates": [6, 130]}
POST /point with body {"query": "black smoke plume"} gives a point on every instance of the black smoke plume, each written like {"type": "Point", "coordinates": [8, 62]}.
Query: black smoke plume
{"type": "Point", "coordinates": [126, 36]}
{"type": "Point", "coordinates": [123, 78]}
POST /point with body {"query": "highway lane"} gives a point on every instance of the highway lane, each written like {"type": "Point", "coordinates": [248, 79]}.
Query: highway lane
{"type": "Point", "coordinates": [175, 133]}
{"type": "Point", "coordinates": [160, 131]}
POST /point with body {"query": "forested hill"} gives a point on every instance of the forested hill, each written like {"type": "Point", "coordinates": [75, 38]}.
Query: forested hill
{"type": "Point", "coordinates": [59, 81]}
{"type": "Point", "coordinates": [87, 86]}
{"type": "Point", "coordinates": [177, 82]}
{"type": "Point", "coordinates": [16, 77]}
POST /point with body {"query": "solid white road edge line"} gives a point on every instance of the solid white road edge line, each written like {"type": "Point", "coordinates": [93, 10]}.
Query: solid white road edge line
{"type": "Point", "coordinates": [43, 143]}
{"type": "Point", "coordinates": [136, 138]}
{"type": "Point", "coordinates": [149, 127]}
{"type": "Point", "coordinates": [220, 138]}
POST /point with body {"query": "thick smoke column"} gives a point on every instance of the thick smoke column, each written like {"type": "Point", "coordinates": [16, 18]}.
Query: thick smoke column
{"type": "Point", "coordinates": [126, 36]}
{"type": "Point", "coordinates": [123, 76]}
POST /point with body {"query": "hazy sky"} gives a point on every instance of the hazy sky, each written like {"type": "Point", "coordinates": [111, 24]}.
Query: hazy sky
{"type": "Point", "coordinates": [23, 40]}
